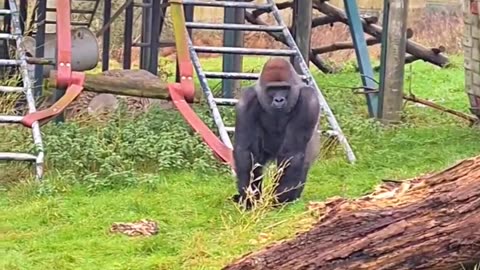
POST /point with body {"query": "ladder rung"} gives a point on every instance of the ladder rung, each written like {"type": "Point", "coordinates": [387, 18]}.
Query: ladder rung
{"type": "Point", "coordinates": [75, 11]}
{"type": "Point", "coordinates": [7, 119]}
{"type": "Point", "coordinates": [7, 36]}
{"type": "Point", "coordinates": [17, 156]}
{"type": "Point", "coordinates": [226, 4]}
{"type": "Point", "coordinates": [238, 75]}
{"type": "Point", "coordinates": [142, 5]}
{"type": "Point", "coordinates": [72, 23]}
{"type": "Point", "coordinates": [232, 75]}
{"type": "Point", "coordinates": [5, 12]}
{"type": "Point", "coordinates": [226, 101]}
{"type": "Point", "coordinates": [10, 62]}
{"type": "Point", "coordinates": [230, 129]}
{"type": "Point", "coordinates": [234, 26]}
{"type": "Point", "coordinates": [10, 89]}
{"type": "Point", "coordinates": [245, 51]}
{"type": "Point", "coordinates": [81, 11]}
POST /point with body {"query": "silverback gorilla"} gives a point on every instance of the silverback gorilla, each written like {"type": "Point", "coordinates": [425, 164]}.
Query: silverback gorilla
{"type": "Point", "coordinates": [276, 119]}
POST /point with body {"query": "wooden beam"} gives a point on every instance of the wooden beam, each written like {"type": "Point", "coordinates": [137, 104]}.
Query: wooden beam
{"type": "Point", "coordinates": [134, 83]}
{"type": "Point", "coordinates": [394, 42]}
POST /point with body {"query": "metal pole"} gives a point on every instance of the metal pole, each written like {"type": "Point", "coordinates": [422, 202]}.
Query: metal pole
{"type": "Point", "coordinates": [394, 42]}
{"type": "Point", "coordinates": [155, 41]}
{"type": "Point", "coordinates": [232, 38]}
{"type": "Point", "coordinates": [128, 37]}
{"type": "Point", "coordinates": [189, 11]}
{"type": "Point", "coordinates": [23, 14]}
{"type": "Point", "coordinates": [302, 28]}
{"type": "Point", "coordinates": [107, 11]}
{"type": "Point", "coordinates": [39, 50]}
{"type": "Point", "coordinates": [146, 31]}
{"type": "Point", "coordinates": [363, 58]}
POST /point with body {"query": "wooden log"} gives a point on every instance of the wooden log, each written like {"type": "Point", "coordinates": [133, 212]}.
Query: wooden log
{"type": "Point", "coordinates": [375, 30]}
{"type": "Point", "coordinates": [429, 222]}
{"type": "Point", "coordinates": [134, 83]}
{"type": "Point", "coordinates": [343, 45]}
{"type": "Point", "coordinates": [323, 20]}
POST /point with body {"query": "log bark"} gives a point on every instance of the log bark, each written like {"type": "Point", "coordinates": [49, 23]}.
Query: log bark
{"type": "Point", "coordinates": [134, 83]}
{"type": "Point", "coordinates": [429, 222]}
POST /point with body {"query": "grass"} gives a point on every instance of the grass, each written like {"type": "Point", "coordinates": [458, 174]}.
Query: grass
{"type": "Point", "coordinates": [154, 167]}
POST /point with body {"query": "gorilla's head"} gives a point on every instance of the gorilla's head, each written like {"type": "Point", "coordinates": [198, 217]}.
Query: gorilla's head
{"type": "Point", "coordinates": [278, 86]}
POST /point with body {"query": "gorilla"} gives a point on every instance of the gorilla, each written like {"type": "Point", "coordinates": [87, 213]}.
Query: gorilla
{"type": "Point", "coordinates": [276, 119]}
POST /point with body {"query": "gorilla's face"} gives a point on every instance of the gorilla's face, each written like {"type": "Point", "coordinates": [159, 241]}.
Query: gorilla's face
{"type": "Point", "coordinates": [278, 96]}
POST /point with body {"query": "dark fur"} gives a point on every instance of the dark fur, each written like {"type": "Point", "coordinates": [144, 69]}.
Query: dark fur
{"type": "Point", "coordinates": [266, 131]}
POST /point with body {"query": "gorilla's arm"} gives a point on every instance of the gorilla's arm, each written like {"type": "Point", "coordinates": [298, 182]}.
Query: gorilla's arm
{"type": "Point", "coordinates": [245, 138]}
{"type": "Point", "coordinates": [298, 133]}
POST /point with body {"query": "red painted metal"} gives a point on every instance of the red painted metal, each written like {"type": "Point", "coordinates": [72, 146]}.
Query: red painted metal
{"type": "Point", "coordinates": [65, 78]}
{"type": "Point", "coordinates": [222, 152]}
{"type": "Point", "coordinates": [64, 44]}
{"type": "Point", "coordinates": [71, 94]}
{"type": "Point", "coordinates": [184, 91]}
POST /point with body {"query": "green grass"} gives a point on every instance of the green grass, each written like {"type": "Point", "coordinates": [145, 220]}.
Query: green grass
{"type": "Point", "coordinates": [154, 167]}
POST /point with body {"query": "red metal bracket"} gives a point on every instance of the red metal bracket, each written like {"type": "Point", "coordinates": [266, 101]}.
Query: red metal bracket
{"type": "Point", "coordinates": [70, 95]}
{"type": "Point", "coordinates": [65, 78]}
{"type": "Point", "coordinates": [184, 91]}
{"type": "Point", "coordinates": [64, 44]}
{"type": "Point", "coordinates": [222, 152]}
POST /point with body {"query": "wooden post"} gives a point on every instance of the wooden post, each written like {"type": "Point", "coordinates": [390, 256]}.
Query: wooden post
{"type": "Point", "coordinates": [394, 42]}
{"type": "Point", "coordinates": [302, 27]}
{"type": "Point", "coordinates": [232, 38]}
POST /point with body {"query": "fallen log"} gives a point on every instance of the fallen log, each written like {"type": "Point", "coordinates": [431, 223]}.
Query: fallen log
{"type": "Point", "coordinates": [375, 30]}
{"type": "Point", "coordinates": [134, 83]}
{"type": "Point", "coordinates": [429, 222]}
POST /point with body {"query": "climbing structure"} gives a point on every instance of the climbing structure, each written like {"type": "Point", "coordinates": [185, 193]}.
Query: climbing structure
{"type": "Point", "coordinates": [279, 27]}
{"type": "Point", "coordinates": [68, 82]}
{"type": "Point", "coordinates": [26, 89]}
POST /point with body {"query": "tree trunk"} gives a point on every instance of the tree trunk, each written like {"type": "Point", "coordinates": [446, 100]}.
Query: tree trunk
{"type": "Point", "coordinates": [135, 83]}
{"type": "Point", "coordinates": [430, 222]}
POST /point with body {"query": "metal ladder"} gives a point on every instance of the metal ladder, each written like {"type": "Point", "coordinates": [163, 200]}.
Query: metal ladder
{"type": "Point", "coordinates": [21, 63]}
{"type": "Point", "coordinates": [293, 51]}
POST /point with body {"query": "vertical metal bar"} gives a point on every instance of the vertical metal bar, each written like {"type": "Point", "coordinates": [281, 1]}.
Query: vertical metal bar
{"type": "Point", "coordinates": [394, 42]}
{"type": "Point", "coordinates": [37, 136]}
{"type": "Point", "coordinates": [107, 13]}
{"type": "Point", "coordinates": [231, 38]}
{"type": "Point", "coordinates": [23, 14]}
{"type": "Point", "coordinates": [39, 49]}
{"type": "Point", "coordinates": [128, 36]}
{"type": "Point", "coordinates": [155, 40]}
{"type": "Point", "coordinates": [302, 28]}
{"type": "Point", "coordinates": [146, 31]}
{"type": "Point", "coordinates": [361, 51]}
{"type": "Point", "coordinates": [189, 11]}
{"type": "Point", "coordinates": [6, 19]}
